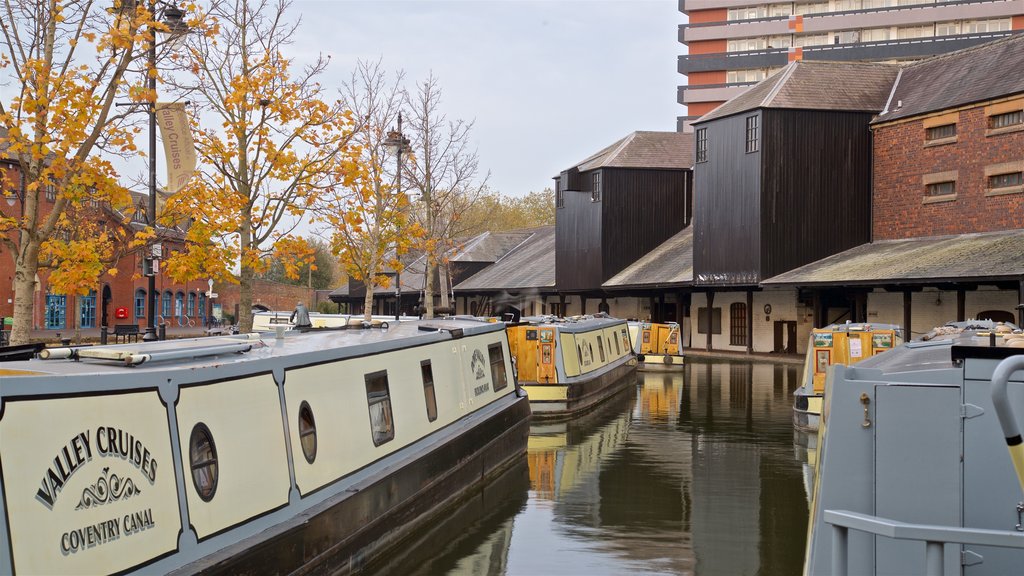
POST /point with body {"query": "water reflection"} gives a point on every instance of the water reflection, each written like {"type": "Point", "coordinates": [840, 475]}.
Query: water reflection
{"type": "Point", "coordinates": [693, 472]}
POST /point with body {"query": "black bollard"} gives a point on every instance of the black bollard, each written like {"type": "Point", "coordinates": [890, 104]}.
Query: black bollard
{"type": "Point", "coordinates": [103, 335]}
{"type": "Point", "coordinates": [162, 332]}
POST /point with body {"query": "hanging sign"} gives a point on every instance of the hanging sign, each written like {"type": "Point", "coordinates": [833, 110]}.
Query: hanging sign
{"type": "Point", "coordinates": [179, 148]}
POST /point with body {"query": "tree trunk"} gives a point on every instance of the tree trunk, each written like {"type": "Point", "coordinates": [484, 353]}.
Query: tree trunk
{"type": "Point", "coordinates": [245, 300]}
{"type": "Point", "coordinates": [25, 269]}
{"type": "Point", "coordinates": [428, 290]}
{"type": "Point", "coordinates": [368, 301]}
{"type": "Point", "coordinates": [443, 273]}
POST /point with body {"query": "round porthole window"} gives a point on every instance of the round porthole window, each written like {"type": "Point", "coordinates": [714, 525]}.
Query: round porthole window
{"type": "Point", "coordinates": [307, 432]}
{"type": "Point", "coordinates": [202, 454]}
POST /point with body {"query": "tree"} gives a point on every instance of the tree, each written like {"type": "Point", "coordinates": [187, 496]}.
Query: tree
{"type": "Point", "coordinates": [318, 274]}
{"type": "Point", "coordinates": [444, 171]}
{"type": "Point", "coordinates": [366, 211]}
{"type": "Point", "coordinates": [493, 212]}
{"type": "Point", "coordinates": [270, 155]}
{"type": "Point", "coordinates": [66, 63]}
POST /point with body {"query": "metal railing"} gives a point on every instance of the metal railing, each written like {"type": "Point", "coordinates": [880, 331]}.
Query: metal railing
{"type": "Point", "coordinates": [934, 537]}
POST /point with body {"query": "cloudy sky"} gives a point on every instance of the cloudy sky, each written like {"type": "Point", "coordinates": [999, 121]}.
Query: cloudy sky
{"type": "Point", "coordinates": [548, 82]}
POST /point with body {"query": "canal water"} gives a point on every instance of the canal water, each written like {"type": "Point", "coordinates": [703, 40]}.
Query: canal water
{"type": "Point", "coordinates": [691, 472]}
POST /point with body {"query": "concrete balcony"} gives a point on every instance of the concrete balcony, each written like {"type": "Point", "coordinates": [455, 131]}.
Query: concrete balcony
{"type": "Point", "coordinates": [711, 92]}
{"type": "Point", "coordinates": [863, 51]}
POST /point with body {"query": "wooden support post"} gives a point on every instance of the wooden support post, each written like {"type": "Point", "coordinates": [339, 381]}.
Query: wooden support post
{"type": "Point", "coordinates": [750, 321]}
{"type": "Point", "coordinates": [561, 305]}
{"type": "Point", "coordinates": [961, 305]}
{"type": "Point", "coordinates": [682, 311]}
{"type": "Point", "coordinates": [661, 307]}
{"type": "Point", "coordinates": [816, 306]}
{"type": "Point", "coordinates": [908, 298]}
{"type": "Point", "coordinates": [583, 304]}
{"type": "Point", "coordinates": [711, 307]}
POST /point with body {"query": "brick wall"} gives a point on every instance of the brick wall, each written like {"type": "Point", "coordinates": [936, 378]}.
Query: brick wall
{"type": "Point", "coordinates": [901, 160]}
{"type": "Point", "coordinates": [273, 295]}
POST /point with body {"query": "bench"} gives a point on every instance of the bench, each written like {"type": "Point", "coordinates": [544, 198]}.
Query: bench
{"type": "Point", "coordinates": [126, 333]}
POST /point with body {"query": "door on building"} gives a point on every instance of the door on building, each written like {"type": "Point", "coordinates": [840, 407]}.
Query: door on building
{"type": "Point", "coordinates": [785, 336]}
{"type": "Point", "coordinates": [56, 310]}
{"type": "Point", "coordinates": [88, 306]}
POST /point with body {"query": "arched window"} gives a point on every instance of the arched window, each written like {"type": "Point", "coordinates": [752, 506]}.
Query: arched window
{"type": "Point", "coordinates": [997, 316]}
{"type": "Point", "coordinates": [140, 304]}
{"type": "Point", "coordinates": [165, 307]}
{"type": "Point", "coordinates": [738, 324]}
{"type": "Point", "coordinates": [179, 304]}
{"type": "Point", "coordinates": [191, 303]}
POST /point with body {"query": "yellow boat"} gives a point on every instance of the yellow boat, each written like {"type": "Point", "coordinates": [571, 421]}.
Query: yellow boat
{"type": "Point", "coordinates": [836, 344]}
{"type": "Point", "coordinates": [657, 345]}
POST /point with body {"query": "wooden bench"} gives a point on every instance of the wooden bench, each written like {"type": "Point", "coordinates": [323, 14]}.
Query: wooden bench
{"type": "Point", "coordinates": [126, 333]}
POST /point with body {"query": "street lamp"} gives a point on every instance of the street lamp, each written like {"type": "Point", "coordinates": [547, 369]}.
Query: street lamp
{"type": "Point", "coordinates": [396, 144]}
{"type": "Point", "coordinates": [174, 19]}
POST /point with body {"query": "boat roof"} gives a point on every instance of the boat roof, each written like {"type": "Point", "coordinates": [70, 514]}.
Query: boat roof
{"type": "Point", "coordinates": [941, 348]}
{"type": "Point", "coordinates": [219, 351]}
{"type": "Point", "coordinates": [857, 327]}
{"type": "Point", "coordinates": [573, 324]}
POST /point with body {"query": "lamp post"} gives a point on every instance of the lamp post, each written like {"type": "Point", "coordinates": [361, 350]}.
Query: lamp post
{"type": "Point", "coordinates": [396, 143]}
{"type": "Point", "coordinates": [173, 17]}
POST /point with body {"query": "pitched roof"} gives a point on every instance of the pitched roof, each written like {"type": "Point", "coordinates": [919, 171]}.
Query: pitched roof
{"type": "Point", "coordinates": [980, 256]}
{"type": "Point", "coordinates": [974, 74]}
{"type": "Point", "coordinates": [488, 246]}
{"type": "Point", "coordinates": [531, 265]}
{"type": "Point", "coordinates": [672, 150]}
{"type": "Point", "coordinates": [670, 264]}
{"type": "Point", "coordinates": [817, 85]}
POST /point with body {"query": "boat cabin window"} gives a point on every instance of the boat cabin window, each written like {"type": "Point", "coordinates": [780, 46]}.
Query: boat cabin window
{"type": "Point", "coordinates": [202, 453]}
{"type": "Point", "coordinates": [618, 350]}
{"type": "Point", "coordinates": [498, 376]}
{"type": "Point", "coordinates": [428, 389]}
{"type": "Point", "coordinates": [307, 432]}
{"type": "Point", "coordinates": [378, 397]}
{"type": "Point", "coordinates": [600, 348]}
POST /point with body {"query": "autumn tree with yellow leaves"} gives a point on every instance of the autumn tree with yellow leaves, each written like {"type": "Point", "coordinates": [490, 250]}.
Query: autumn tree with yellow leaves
{"type": "Point", "coordinates": [269, 143]}
{"type": "Point", "coordinates": [365, 211]}
{"type": "Point", "coordinates": [64, 64]}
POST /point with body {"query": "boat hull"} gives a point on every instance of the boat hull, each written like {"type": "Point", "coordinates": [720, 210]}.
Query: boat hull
{"type": "Point", "coordinates": [349, 530]}
{"type": "Point", "coordinates": [807, 412]}
{"type": "Point", "coordinates": [660, 363]}
{"type": "Point", "coordinates": [555, 401]}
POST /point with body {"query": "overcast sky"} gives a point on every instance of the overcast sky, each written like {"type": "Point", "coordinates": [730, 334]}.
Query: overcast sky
{"type": "Point", "coordinates": [548, 82]}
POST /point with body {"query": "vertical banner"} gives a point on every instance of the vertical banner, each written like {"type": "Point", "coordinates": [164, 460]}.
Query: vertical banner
{"type": "Point", "coordinates": [179, 149]}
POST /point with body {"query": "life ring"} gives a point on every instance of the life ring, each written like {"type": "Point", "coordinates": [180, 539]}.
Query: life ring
{"type": "Point", "coordinates": [121, 312]}
{"type": "Point", "coordinates": [667, 360]}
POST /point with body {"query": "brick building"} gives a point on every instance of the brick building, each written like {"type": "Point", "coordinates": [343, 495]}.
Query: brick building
{"type": "Point", "coordinates": [119, 299]}
{"type": "Point", "coordinates": [734, 44]}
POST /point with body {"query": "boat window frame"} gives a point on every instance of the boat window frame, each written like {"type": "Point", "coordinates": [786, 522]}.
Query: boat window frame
{"type": "Point", "coordinates": [371, 379]}
{"type": "Point", "coordinates": [600, 350]}
{"type": "Point", "coordinates": [310, 454]}
{"type": "Point", "coordinates": [430, 399]}
{"type": "Point", "coordinates": [495, 362]}
{"type": "Point", "coordinates": [202, 429]}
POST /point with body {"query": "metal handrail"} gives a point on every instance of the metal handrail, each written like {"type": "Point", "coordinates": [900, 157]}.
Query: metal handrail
{"type": "Point", "coordinates": [935, 537]}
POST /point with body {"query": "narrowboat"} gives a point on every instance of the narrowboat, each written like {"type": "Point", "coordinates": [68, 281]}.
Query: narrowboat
{"type": "Point", "coordinates": [570, 365]}
{"type": "Point", "coordinates": [657, 346]}
{"type": "Point", "coordinates": [251, 453]}
{"type": "Point", "coordinates": [844, 344]}
{"type": "Point", "coordinates": [268, 321]}
{"type": "Point", "coordinates": [914, 475]}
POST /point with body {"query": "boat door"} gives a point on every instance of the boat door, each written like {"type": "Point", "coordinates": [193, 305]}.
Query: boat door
{"type": "Point", "coordinates": [546, 355]}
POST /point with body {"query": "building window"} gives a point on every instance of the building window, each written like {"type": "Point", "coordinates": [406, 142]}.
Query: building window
{"type": "Point", "coordinates": [752, 75]}
{"type": "Point", "coordinates": [909, 32]}
{"type": "Point", "coordinates": [812, 40]}
{"type": "Point", "coordinates": [751, 134]}
{"type": "Point", "coordinates": [140, 304]}
{"type": "Point", "coordinates": [559, 196]}
{"type": "Point", "coordinates": [746, 44]}
{"type": "Point", "coordinates": [812, 8]}
{"type": "Point", "coordinates": [715, 321]}
{"type": "Point", "coordinates": [191, 304]}
{"type": "Point", "coordinates": [1008, 180]}
{"type": "Point", "coordinates": [378, 398]}
{"type": "Point", "coordinates": [428, 389]}
{"type": "Point", "coordinates": [738, 324]}
{"type": "Point", "coordinates": [940, 133]}
{"type": "Point", "coordinates": [875, 35]}
{"type": "Point", "coordinates": [1015, 118]}
{"type": "Point", "coordinates": [982, 26]}
{"type": "Point", "coordinates": [307, 432]}
{"type": "Point", "coordinates": [595, 192]}
{"type": "Point", "coordinates": [88, 305]}
{"type": "Point", "coordinates": [941, 189]}
{"type": "Point", "coordinates": [497, 357]}
{"type": "Point", "coordinates": [202, 456]}
{"type": "Point", "coordinates": [947, 28]}
{"type": "Point", "coordinates": [165, 307]}
{"type": "Point", "coordinates": [56, 308]}
{"type": "Point", "coordinates": [702, 145]}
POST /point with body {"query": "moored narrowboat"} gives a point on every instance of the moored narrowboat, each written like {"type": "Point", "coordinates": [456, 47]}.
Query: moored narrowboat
{"type": "Point", "coordinates": [657, 345]}
{"type": "Point", "coordinates": [844, 344]}
{"type": "Point", "coordinates": [913, 472]}
{"type": "Point", "coordinates": [567, 366]}
{"type": "Point", "coordinates": [268, 321]}
{"type": "Point", "coordinates": [250, 453]}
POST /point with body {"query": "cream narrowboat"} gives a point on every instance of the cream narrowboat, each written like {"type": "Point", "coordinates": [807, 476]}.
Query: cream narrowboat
{"type": "Point", "coordinates": [657, 345]}
{"type": "Point", "coordinates": [843, 344]}
{"type": "Point", "coordinates": [249, 454]}
{"type": "Point", "coordinates": [268, 321]}
{"type": "Point", "coordinates": [567, 366]}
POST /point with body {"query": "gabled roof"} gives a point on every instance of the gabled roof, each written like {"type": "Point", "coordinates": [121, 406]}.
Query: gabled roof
{"type": "Point", "coordinates": [665, 150]}
{"type": "Point", "coordinates": [974, 74]}
{"type": "Point", "coordinates": [975, 257]}
{"type": "Point", "coordinates": [531, 265]}
{"type": "Point", "coordinates": [670, 264]}
{"type": "Point", "coordinates": [816, 85]}
{"type": "Point", "coordinates": [488, 246]}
